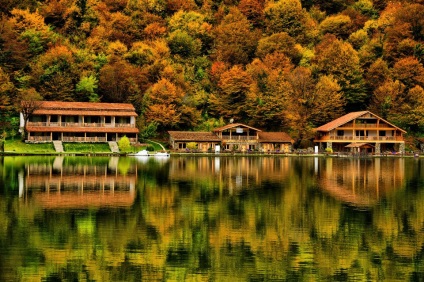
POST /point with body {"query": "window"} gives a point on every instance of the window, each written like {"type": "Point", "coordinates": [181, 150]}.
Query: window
{"type": "Point", "coordinates": [181, 145]}
{"type": "Point", "coordinates": [360, 133]}
{"type": "Point", "coordinates": [382, 133]}
{"type": "Point", "coordinates": [340, 132]}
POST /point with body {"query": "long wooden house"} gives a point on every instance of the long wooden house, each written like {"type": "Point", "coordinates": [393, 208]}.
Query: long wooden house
{"type": "Point", "coordinates": [232, 137]}
{"type": "Point", "coordinates": [362, 132]}
{"type": "Point", "coordinates": [81, 122]}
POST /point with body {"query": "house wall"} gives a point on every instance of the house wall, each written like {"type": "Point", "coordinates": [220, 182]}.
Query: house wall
{"type": "Point", "coordinates": [201, 146]}
{"type": "Point", "coordinates": [78, 121]}
{"type": "Point", "coordinates": [273, 147]}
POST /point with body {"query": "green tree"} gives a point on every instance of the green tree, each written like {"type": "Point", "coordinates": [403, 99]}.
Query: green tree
{"type": "Point", "coordinates": [149, 131]}
{"type": "Point", "coordinates": [289, 16]}
{"type": "Point", "coordinates": [87, 87]}
{"type": "Point", "coordinates": [192, 145]}
{"type": "Point", "coordinates": [410, 114]}
{"type": "Point", "coordinates": [182, 44]}
{"type": "Point", "coordinates": [56, 72]}
{"type": "Point", "coordinates": [278, 42]}
{"type": "Point", "coordinates": [338, 59]}
{"type": "Point", "coordinates": [124, 143]}
{"type": "Point", "coordinates": [339, 25]}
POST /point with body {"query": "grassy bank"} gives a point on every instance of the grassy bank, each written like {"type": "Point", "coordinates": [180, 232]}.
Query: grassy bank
{"type": "Point", "coordinates": [19, 147]}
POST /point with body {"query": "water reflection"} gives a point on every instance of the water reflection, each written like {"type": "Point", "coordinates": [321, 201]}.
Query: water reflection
{"type": "Point", "coordinates": [361, 182]}
{"type": "Point", "coordinates": [79, 185]}
{"type": "Point", "coordinates": [211, 219]}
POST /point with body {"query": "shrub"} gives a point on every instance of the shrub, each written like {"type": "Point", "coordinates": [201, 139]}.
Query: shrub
{"type": "Point", "coordinates": [124, 143]}
{"type": "Point", "coordinates": [192, 145]}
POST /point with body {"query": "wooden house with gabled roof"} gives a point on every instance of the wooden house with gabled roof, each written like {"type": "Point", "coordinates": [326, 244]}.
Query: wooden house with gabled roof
{"type": "Point", "coordinates": [233, 137]}
{"type": "Point", "coordinates": [81, 122]}
{"type": "Point", "coordinates": [205, 140]}
{"type": "Point", "coordinates": [361, 132]}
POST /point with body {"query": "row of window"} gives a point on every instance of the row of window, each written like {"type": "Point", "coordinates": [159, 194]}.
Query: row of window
{"type": "Point", "coordinates": [359, 133]}
{"type": "Point", "coordinates": [75, 119]}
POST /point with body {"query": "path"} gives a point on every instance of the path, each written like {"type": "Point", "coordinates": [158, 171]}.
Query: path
{"type": "Point", "coordinates": [163, 148]}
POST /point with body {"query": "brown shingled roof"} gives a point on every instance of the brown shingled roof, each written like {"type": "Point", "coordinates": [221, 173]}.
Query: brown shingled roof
{"type": "Point", "coordinates": [85, 108]}
{"type": "Point", "coordinates": [193, 136]}
{"type": "Point", "coordinates": [274, 137]}
{"type": "Point", "coordinates": [340, 121]}
{"type": "Point", "coordinates": [346, 118]}
{"type": "Point", "coordinates": [232, 125]}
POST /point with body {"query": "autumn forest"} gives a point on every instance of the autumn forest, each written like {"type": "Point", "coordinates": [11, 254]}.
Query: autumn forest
{"type": "Point", "coordinates": [195, 64]}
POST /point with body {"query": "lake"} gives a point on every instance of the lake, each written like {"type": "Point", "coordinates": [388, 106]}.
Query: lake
{"type": "Point", "coordinates": [228, 218]}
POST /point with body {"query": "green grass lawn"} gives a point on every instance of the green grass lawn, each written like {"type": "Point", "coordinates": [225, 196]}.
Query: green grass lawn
{"type": "Point", "coordinates": [156, 146]}
{"type": "Point", "coordinates": [86, 147]}
{"type": "Point", "coordinates": [17, 146]}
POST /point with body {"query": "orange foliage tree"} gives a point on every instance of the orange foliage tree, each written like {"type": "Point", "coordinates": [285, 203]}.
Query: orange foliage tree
{"type": "Point", "coordinates": [230, 99]}
{"type": "Point", "coordinates": [235, 42]}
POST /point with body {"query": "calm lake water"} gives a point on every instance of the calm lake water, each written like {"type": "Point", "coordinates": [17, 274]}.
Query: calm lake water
{"type": "Point", "coordinates": [211, 219]}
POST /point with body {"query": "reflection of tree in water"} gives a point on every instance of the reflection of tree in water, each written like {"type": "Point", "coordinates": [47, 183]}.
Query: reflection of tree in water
{"type": "Point", "coordinates": [361, 182]}
{"type": "Point", "coordinates": [280, 226]}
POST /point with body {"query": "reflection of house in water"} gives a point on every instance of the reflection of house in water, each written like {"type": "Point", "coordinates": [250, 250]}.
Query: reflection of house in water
{"type": "Point", "coordinates": [77, 185]}
{"type": "Point", "coordinates": [230, 172]}
{"type": "Point", "coordinates": [361, 182]}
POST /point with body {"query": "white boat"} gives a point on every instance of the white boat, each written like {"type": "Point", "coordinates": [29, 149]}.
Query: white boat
{"type": "Point", "coordinates": [145, 153]}
{"type": "Point", "coordinates": [142, 153]}
{"type": "Point", "coordinates": [161, 154]}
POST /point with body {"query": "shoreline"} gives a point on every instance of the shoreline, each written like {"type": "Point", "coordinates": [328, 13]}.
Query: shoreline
{"type": "Point", "coordinates": [196, 154]}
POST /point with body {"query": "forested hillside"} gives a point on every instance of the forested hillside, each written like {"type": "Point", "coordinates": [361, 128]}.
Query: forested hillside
{"type": "Point", "coordinates": [195, 64]}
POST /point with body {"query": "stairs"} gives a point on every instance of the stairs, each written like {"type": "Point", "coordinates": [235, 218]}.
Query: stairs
{"type": "Point", "coordinates": [113, 146]}
{"type": "Point", "coordinates": [58, 146]}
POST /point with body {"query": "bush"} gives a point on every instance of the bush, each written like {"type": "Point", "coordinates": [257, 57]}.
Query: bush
{"type": "Point", "coordinates": [149, 131]}
{"type": "Point", "coordinates": [192, 145]}
{"type": "Point", "coordinates": [150, 148]}
{"type": "Point", "coordinates": [329, 150]}
{"type": "Point", "coordinates": [124, 143]}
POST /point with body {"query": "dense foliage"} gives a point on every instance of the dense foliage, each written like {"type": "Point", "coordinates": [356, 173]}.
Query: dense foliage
{"type": "Point", "coordinates": [194, 64]}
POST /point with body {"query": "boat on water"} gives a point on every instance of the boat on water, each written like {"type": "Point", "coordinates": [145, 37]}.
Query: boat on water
{"type": "Point", "coordinates": [145, 153]}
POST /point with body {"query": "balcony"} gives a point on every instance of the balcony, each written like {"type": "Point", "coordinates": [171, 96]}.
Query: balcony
{"type": "Point", "coordinates": [78, 124]}
{"type": "Point", "coordinates": [360, 138]}
{"type": "Point", "coordinates": [39, 139]}
{"type": "Point", "coordinates": [83, 139]}
{"type": "Point", "coordinates": [240, 139]}
{"type": "Point", "coordinates": [365, 126]}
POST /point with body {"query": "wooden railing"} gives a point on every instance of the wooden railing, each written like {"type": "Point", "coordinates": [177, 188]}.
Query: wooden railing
{"type": "Point", "coordinates": [39, 138]}
{"type": "Point", "coordinates": [365, 125]}
{"type": "Point", "coordinates": [360, 138]}
{"type": "Point", "coordinates": [75, 139]}
{"type": "Point", "coordinates": [83, 139]}
{"type": "Point", "coordinates": [239, 138]}
{"type": "Point", "coordinates": [78, 124]}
